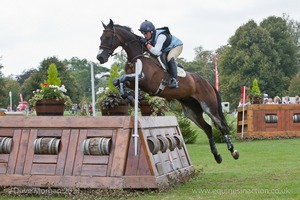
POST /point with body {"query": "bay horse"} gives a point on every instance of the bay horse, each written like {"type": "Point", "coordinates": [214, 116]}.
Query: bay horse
{"type": "Point", "coordinates": [196, 95]}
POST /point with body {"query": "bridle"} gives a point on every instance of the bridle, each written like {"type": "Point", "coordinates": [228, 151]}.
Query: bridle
{"type": "Point", "coordinates": [109, 48]}
{"type": "Point", "coordinates": [113, 39]}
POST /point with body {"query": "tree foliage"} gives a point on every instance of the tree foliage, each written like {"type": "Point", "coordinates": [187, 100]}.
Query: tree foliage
{"type": "Point", "coordinates": [265, 52]}
{"type": "Point", "coordinates": [202, 64]}
{"type": "Point", "coordinates": [2, 87]}
{"type": "Point", "coordinates": [255, 89]}
{"type": "Point", "coordinates": [25, 74]}
{"type": "Point", "coordinates": [113, 74]}
{"type": "Point", "coordinates": [12, 86]}
{"type": "Point", "coordinates": [294, 88]}
{"type": "Point", "coordinates": [80, 70]}
{"type": "Point", "coordinates": [53, 78]}
{"type": "Point", "coordinates": [34, 81]}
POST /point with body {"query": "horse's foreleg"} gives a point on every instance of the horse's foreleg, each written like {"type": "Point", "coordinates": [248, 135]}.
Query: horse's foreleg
{"type": "Point", "coordinates": [120, 84]}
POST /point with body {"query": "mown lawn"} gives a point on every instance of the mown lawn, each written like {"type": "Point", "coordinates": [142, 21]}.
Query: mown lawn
{"type": "Point", "coordinates": [267, 169]}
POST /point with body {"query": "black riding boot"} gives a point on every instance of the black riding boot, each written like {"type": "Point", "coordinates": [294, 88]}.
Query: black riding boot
{"type": "Point", "coordinates": [173, 72]}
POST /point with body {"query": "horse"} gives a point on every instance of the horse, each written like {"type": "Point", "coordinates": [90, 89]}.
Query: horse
{"type": "Point", "coordinates": [196, 95]}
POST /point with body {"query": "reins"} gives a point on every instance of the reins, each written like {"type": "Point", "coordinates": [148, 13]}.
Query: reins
{"type": "Point", "coordinates": [123, 44]}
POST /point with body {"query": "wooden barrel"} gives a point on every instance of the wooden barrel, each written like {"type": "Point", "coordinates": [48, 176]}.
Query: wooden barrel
{"type": "Point", "coordinates": [46, 145]}
{"type": "Point", "coordinates": [179, 141]}
{"type": "Point", "coordinates": [163, 143]}
{"type": "Point", "coordinates": [5, 145]}
{"type": "Point", "coordinates": [172, 142]}
{"type": "Point", "coordinates": [271, 118]}
{"type": "Point", "coordinates": [153, 145]}
{"type": "Point", "coordinates": [97, 146]}
{"type": "Point", "coordinates": [296, 118]}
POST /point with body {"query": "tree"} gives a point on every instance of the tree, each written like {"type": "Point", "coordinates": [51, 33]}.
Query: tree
{"type": "Point", "coordinates": [25, 74]}
{"type": "Point", "coordinates": [264, 52]}
{"type": "Point", "coordinates": [67, 79]}
{"type": "Point", "coordinates": [12, 86]}
{"type": "Point", "coordinates": [53, 78]}
{"type": "Point", "coordinates": [120, 60]}
{"type": "Point", "coordinates": [204, 60]}
{"type": "Point", "coordinates": [81, 71]}
{"type": "Point", "coordinates": [284, 44]}
{"type": "Point", "coordinates": [294, 88]}
{"type": "Point", "coordinates": [3, 95]}
{"type": "Point", "coordinates": [113, 74]}
{"type": "Point", "coordinates": [255, 89]}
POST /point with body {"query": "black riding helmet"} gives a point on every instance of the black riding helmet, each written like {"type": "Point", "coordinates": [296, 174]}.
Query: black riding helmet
{"type": "Point", "coordinates": [147, 26]}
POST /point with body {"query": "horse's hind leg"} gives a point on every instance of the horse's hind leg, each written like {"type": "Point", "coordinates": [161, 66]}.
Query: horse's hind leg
{"type": "Point", "coordinates": [194, 112]}
{"type": "Point", "coordinates": [223, 127]}
{"type": "Point", "coordinates": [235, 154]}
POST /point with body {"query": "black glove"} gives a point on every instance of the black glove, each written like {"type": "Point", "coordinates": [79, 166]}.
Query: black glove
{"type": "Point", "coordinates": [143, 41]}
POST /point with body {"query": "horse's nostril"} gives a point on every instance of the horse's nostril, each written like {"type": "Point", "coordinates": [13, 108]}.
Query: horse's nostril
{"type": "Point", "coordinates": [100, 58]}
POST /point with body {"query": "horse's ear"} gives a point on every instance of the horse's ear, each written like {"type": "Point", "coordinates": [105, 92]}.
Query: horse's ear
{"type": "Point", "coordinates": [104, 26]}
{"type": "Point", "coordinates": [111, 23]}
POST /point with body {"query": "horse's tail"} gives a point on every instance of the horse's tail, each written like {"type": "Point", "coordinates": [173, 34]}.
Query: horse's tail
{"type": "Point", "coordinates": [220, 111]}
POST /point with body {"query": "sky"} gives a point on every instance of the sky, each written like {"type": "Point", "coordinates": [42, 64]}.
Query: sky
{"type": "Point", "coordinates": [33, 30]}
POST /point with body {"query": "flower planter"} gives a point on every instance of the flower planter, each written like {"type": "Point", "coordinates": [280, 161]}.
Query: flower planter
{"type": "Point", "coordinates": [120, 110]}
{"type": "Point", "coordinates": [50, 107]}
{"type": "Point", "coordinates": [145, 108]}
{"type": "Point", "coordinates": [256, 99]}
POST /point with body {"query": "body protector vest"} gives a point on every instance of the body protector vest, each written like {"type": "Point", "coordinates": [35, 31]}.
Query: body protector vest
{"type": "Point", "coordinates": [170, 42]}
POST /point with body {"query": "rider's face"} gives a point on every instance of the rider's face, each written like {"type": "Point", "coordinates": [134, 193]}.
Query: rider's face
{"type": "Point", "coordinates": [147, 35]}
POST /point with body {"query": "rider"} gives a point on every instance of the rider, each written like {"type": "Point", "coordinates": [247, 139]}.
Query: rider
{"type": "Point", "coordinates": [159, 41]}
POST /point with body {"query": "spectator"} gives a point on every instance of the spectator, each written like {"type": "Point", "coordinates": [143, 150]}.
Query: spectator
{"type": "Point", "coordinates": [277, 100]}
{"type": "Point", "coordinates": [297, 101]}
{"type": "Point", "coordinates": [286, 100]}
{"type": "Point", "coordinates": [270, 101]}
{"type": "Point", "coordinates": [91, 110]}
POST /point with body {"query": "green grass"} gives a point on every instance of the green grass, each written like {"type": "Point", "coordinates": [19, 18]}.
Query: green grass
{"type": "Point", "coordinates": [266, 169]}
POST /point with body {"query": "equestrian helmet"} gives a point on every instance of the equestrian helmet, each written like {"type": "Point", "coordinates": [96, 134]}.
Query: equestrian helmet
{"type": "Point", "coordinates": [147, 26]}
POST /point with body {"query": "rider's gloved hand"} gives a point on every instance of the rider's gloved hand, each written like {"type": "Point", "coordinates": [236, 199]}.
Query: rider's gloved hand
{"type": "Point", "coordinates": [143, 41]}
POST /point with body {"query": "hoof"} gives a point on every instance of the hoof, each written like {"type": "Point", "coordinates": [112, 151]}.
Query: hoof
{"type": "Point", "coordinates": [218, 158]}
{"type": "Point", "coordinates": [235, 154]}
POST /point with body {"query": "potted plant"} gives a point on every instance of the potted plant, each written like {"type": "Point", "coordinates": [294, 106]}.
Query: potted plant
{"type": "Point", "coordinates": [111, 103]}
{"type": "Point", "coordinates": [255, 95]}
{"type": "Point", "coordinates": [50, 99]}
{"type": "Point", "coordinates": [159, 106]}
{"type": "Point", "coordinates": [144, 104]}
{"type": "Point", "coordinates": [152, 105]}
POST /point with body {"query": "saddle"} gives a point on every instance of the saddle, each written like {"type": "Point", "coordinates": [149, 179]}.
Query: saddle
{"type": "Point", "coordinates": [162, 62]}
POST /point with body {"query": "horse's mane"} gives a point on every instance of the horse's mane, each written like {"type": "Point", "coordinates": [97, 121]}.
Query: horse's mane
{"type": "Point", "coordinates": [124, 27]}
